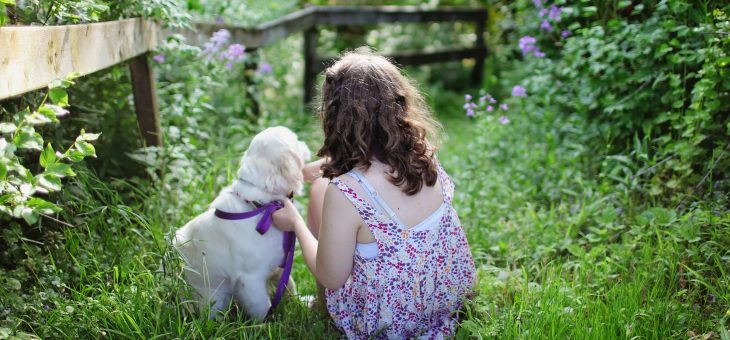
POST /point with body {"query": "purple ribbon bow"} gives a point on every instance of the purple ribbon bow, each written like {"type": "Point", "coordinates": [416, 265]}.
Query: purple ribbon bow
{"type": "Point", "coordinates": [262, 227]}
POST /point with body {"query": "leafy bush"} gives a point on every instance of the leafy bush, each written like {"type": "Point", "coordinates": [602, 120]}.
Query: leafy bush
{"type": "Point", "coordinates": [652, 78]}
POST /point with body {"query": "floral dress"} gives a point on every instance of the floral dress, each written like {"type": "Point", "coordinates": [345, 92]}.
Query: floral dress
{"type": "Point", "coordinates": [417, 280]}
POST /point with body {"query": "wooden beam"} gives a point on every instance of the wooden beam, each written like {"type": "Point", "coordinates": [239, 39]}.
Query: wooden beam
{"type": "Point", "coordinates": [348, 16]}
{"type": "Point", "coordinates": [33, 56]}
{"type": "Point", "coordinates": [145, 100]}
{"type": "Point", "coordinates": [258, 36]}
{"type": "Point", "coordinates": [412, 58]}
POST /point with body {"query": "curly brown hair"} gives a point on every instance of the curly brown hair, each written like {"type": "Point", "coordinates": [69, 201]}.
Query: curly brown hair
{"type": "Point", "coordinates": [369, 110]}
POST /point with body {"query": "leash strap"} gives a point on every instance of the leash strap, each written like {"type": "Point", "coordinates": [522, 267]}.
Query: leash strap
{"type": "Point", "coordinates": [263, 225]}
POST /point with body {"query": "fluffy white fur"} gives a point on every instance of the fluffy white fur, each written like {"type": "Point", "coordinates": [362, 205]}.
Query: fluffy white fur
{"type": "Point", "coordinates": [229, 259]}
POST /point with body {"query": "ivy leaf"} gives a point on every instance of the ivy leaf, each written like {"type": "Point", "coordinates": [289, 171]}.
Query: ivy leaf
{"type": "Point", "coordinates": [48, 156]}
{"type": "Point", "coordinates": [59, 96]}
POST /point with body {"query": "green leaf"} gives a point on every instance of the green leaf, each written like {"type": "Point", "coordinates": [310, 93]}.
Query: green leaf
{"type": "Point", "coordinates": [86, 148]}
{"type": "Point", "coordinates": [3, 16]}
{"type": "Point", "coordinates": [27, 138]}
{"type": "Point", "coordinates": [42, 206]}
{"type": "Point", "coordinates": [3, 171]}
{"type": "Point", "coordinates": [38, 118]}
{"type": "Point", "coordinates": [7, 127]}
{"type": "Point", "coordinates": [48, 156]}
{"type": "Point", "coordinates": [53, 111]}
{"type": "Point", "coordinates": [60, 169]}
{"type": "Point", "coordinates": [74, 155]}
{"type": "Point", "coordinates": [8, 2]}
{"type": "Point", "coordinates": [89, 137]}
{"type": "Point", "coordinates": [29, 215]}
{"type": "Point", "coordinates": [59, 96]}
{"type": "Point", "coordinates": [49, 182]}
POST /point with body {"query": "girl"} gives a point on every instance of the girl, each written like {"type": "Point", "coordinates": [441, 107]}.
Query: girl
{"type": "Point", "coordinates": [382, 236]}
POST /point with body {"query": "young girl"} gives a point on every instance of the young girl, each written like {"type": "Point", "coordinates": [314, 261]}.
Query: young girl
{"type": "Point", "coordinates": [383, 237]}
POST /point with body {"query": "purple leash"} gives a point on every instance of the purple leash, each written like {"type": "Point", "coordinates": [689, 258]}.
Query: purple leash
{"type": "Point", "coordinates": [262, 227]}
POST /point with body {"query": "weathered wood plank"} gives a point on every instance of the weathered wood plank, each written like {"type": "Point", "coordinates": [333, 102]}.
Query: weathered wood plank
{"type": "Point", "coordinates": [347, 16]}
{"type": "Point", "coordinates": [413, 58]}
{"type": "Point", "coordinates": [40, 54]}
{"type": "Point", "coordinates": [145, 100]}
{"type": "Point", "coordinates": [258, 36]}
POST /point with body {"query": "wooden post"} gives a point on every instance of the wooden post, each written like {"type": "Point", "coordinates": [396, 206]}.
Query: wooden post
{"type": "Point", "coordinates": [145, 100]}
{"type": "Point", "coordinates": [249, 75]}
{"type": "Point", "coordinates": [478, 72]}
{"type": "Point", "coordinates": [310, 58]}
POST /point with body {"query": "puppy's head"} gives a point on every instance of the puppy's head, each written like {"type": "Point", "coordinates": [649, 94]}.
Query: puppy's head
{"type": "Point", "coordinates": [274, 162]}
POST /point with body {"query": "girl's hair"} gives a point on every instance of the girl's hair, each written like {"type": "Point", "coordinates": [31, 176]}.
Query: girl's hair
{"type": "Point", "coordinates": [370, 110]}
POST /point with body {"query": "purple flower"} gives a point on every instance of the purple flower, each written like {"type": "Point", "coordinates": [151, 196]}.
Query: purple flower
{"type": "Point", "coordinates": [538, 3]}
{"type": "Point", "coordinates": [234, 53]}
{"type": "Point", "coordinates": [542, 12]}
{"type": "Point", "coordinates": [492, 100]}
{"type": "Point", "coordinates": [467, 97]}
{"type": "Point", "coordinates": [519, 91]}
{"type": "Point", "coordinates": [265, 68]}
{"type": "Point", "coordinates": [219, 20]}
{"type": "Point", "coordinates": [503, 120]}
{"type": "Point", "coordinates": [545, 25]}
{"type": "Point", "coordinates": [470, 105]}
{"type": "Point", "coordinates": [160, 58]}
{"type": "Point", "coordinates": [484, 98]}
{"type": "Point", "coordinates": [555, 12]}
{"type": "Point", "coordinates": [565, 33]}
{"type": "Point", "coordinates": [503, 107]}
{"type": "Point", "coordinates": [490, 108]}
{"type": "Point", "coordinates": [527, 45]}
{"type": "Point", "coordinates": [469, 113]}
{"type": "Point", "coordinates": [216, 42]}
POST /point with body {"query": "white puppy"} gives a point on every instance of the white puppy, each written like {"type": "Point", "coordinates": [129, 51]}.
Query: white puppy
{"type": "Point", "coordinates": [229, 259]}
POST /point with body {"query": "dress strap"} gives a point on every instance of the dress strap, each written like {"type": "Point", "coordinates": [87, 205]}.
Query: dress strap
{"type": "Point", "coordinates": [363, 208]}
{"type": "Point", "coordinates": [447, 185]}
{"type": "Point", "coordinates": [374, 197]}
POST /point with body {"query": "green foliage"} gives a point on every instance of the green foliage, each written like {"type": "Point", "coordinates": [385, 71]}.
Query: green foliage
{"type": "Point", "coordinates": [654, 82]}
{"type": "Point", "coordinates": [56, 12]}
{"type": "Point", "coordinates": [18, 185]}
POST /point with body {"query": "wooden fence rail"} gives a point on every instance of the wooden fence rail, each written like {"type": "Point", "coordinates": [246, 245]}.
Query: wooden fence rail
{"type": "Point", "coordinates": [33, 56]}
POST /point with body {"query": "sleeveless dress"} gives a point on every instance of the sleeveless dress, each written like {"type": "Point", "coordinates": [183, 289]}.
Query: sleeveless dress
{"type": "Point", "coordinates": [418, 278]}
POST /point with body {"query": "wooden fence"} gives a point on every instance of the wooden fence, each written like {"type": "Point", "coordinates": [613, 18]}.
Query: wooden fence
{"type": "Point", "coordinates": [33, 56]}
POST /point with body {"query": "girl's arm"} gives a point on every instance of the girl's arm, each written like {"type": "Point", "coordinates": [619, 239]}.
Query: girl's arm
{"type": "Point", "coordinates": [330, 258]}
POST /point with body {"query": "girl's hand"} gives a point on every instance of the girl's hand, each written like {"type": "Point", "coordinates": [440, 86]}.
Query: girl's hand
{"type": "Point", "coordinates": [287, 217]}
{"type": "Point", "coordinates": [311, 171]}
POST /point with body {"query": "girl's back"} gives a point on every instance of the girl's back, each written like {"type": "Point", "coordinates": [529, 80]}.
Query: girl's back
{"type": "Point", "coordinates": [412, 275]}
